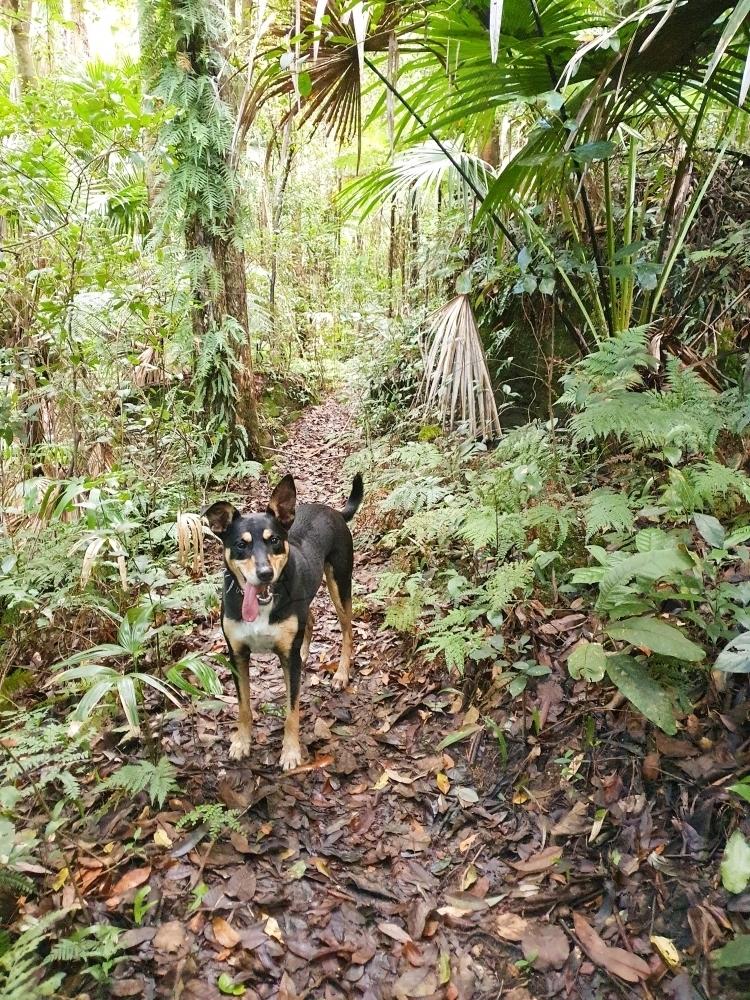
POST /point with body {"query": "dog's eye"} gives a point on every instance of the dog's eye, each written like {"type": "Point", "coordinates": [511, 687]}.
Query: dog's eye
{"type": "Point", "coordinates": [242, 544]}
{"type": "Point", "coordinates": [274, 539]}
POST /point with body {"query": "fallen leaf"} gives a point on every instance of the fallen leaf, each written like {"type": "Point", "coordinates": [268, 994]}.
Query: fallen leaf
{"type": "Point", "coordinates": [418, 839]}
{"type": "Point", "coordinates": [287, 989]}
{"type": "Point", "coordinates": [465, 901]}
{"type": "Point", "coordinates": [574, 822]}
{"type": "Point", "coordinates": [170, 937]}
{"type": "Point", "coordinates": [297, 870]}
{"type": "Point", "coordinates": [131, 880]}
{"type": "Point", "coordinates": [471, 716]}
{"type": "Point", "coordinates": [444, 968]}
{"type": "Point", "coordinates": [161, 838]}
{"type": "Point", "coordinates": [224, 933]}
{"type": "Point", "coordinates": [366, 949]}
{"type": "Point", "coordinates": [312, 766]}
{"type": "Point", "coordinates": [126, 987]}
{"type": "Point", "coordinates": [381, 783]}
{"type": "Point", "coordinates": [62, 878]}
{"type": "Point", "coordinates": [272, 928]}
{"type": "Point", "coordinates": [321, 729]}
{"type": "Point", "coordinates": [666, 949]}
{"type": "Point", "coordinates": [469, 877]}
{"type": "Point", "coordinates": [510, 926]}
{"type": "Point", "coordinates": [651, 766]}
{"type": "Point", "coordinates": [538, 862]}
{"type": "Point", "coordinates": [394, 931]}
{"type": "Point", "coordinates": [402, 779]}
{"type": "Point", "coordinates": [619, 962]}
{"type": "Point", "coordinates": [443, 782]}
{"type": "Point", "coordinates": [466, 797]}
{"type": "Point", "coordinates": [415, 983]}
{"type": "Point", "coordinates": [548, 943]}
{"type": "Point", "coordinates": [466, 844]}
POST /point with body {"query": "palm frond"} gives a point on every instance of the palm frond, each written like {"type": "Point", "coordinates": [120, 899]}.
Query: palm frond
{"type": "Point", "coordinates": [456, 384]}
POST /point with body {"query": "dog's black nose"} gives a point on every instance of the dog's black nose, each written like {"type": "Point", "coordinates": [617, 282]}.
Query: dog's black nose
{"type": "Point", "coordinates": [265, 575]}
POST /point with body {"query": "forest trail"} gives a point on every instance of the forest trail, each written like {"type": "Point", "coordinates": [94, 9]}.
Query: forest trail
{"type": "Point", "coordinates": [415, 856]}
{"type": "Point", "coordinates": [333, 885]}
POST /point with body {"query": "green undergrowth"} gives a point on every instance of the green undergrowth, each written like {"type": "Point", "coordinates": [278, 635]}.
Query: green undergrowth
{"type": "Point", "coordinates": [637, 518]}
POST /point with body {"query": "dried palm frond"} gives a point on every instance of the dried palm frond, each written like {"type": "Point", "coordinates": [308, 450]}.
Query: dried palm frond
{"type": "Point", "coordinates": [190, 542]}
{"type": "Point", "coordinates": [456, 385]}
{"type": "Point", "coordinates": [90, 556]}
{"type": "Point", "coordinates": [147, 371]}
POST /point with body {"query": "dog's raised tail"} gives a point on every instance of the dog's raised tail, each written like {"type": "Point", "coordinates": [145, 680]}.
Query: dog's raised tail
{"type": "Point", "coordinates": [355, 499]}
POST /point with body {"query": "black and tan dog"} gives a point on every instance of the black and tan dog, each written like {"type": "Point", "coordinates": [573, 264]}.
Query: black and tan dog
{"type": "Point", "coordinates": [273, 566]}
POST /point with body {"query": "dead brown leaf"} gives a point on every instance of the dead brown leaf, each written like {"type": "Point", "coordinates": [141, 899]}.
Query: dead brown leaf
{"type": "Point", "coordinates": [415, 982]}
{"type": "Point", "coordinates": [287, 989]}
{"type": "Point", "coordinates": [510, 926]}
{"type": "Point", "coordinates": [131, 880]}
{"type": "Point", "coordinates": [619, 962]}
{"type": "Point", "coordinates": [538, 862]}
{"type": "Point", "coordinates": [394, 931]}
{"type": "Point", "coordinates": [170, 937]}
{"type": "Point", "coordinates": [547, 943]}
{"type": "Point", "coordinates": [224, 933]}
{"type": "Point", "coordinates": [574, 822]}
{"type": "Point", "coordinates": [321, 729]}
{"type": "Point", "coordinates": [126, 987]}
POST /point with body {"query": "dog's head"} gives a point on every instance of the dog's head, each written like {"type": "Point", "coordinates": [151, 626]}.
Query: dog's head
{"type": "Point", "coordinates": [256, 548]}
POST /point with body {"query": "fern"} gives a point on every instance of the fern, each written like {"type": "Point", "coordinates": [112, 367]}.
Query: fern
{"type": "Point", "coordinates": [404, 613]}
{"type": "Point", "coordinates": [215, 816]}
{"type": "Point", "coordinates": [506, 580]}
{"type": "Point", "coordinates": [132, 779]}
{"type": "Point", "coordinates": [19, 965]}
{"type": "Point", "coordinates": [604, 509]}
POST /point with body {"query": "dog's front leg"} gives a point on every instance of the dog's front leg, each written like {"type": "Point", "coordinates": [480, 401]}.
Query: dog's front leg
{"type": "Point", "coordinates": [291, 752]}
{"type": "Point", "coordinates": [242, 739]}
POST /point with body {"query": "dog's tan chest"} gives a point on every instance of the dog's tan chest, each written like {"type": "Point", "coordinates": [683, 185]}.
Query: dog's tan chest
{"type": "Point", "coordinates": [260, 636]}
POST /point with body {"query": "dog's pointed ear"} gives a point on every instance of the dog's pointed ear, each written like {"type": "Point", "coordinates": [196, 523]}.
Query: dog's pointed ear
{"type": "Point", "coordinates": [283, 502]}
{"type": "Point", "coordinates": [219, 516]}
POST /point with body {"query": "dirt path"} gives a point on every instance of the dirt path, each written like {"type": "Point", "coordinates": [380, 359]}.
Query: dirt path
{"type": "Point", "coordinates": [392, 869]}
{"type": "Point", "coordinates": [332, 886]}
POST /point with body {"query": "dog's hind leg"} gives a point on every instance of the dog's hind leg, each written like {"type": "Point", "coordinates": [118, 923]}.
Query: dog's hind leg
{"type": "Point", "coordinates": [340, 588]}
{"type": "Point", "coordinates": [305, 651]}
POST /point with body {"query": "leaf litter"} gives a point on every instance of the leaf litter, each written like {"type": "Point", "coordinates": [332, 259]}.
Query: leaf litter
{"type": "Point", "coordinates": [412, 854]}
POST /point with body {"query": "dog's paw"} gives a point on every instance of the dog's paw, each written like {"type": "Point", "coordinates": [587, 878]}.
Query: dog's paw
{"type": "Point", "coordinates": [291, 756]}
{"type": "Point", "coordinates": [340, 680]}
{"type": "Point", "coordinates": [240, 746]}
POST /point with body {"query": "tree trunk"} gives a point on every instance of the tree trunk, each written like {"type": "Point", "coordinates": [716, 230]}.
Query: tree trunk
{"type": "Point", "coordinates": [232, 301]}
{"type": "Point", "coordinates": [20, 13]}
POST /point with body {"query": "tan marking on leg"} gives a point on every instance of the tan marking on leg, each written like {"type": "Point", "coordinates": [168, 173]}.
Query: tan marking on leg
{"type": "Point", "coordinates": [305, 651]}
{"type": "Point", "coordinates": [242, 739]}
{"type": "Point", "coordinates": [284, 635]}
{"type": "Point", "coordinates": [291, 752]}
{"type": "Point", "coordinates": [344, 615]}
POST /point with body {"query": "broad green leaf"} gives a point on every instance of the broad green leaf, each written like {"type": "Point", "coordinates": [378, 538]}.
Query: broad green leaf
{"type": "Point", "coordinates": [633, 680]}
{"type": "Point", "coordinates": [128, 697]}
{"type": "Point", "coordinates": [305, 84]}
{"type": "Point", "coordinates": [735, 955]}
{"type": "Point", "coordinates": [463, 283]}
{"type": "Point", "coordinates": [742, 789]}
{"type": "Point", "coordinates": [646, 565]}
{"type": "Point", "coordinates": [91, 699]}
{"type": "Point", "coordinates": [588, 661]}
{"type": "Point", "coordinates": [710, 529]}
{"type": "Point", "coordinates": [517, 685]}
{"type": "Point", "coordinates": [227, 987]}
{"type": "Point", "coordinates": [735, 656]}
{"type": "Point", "coordinates": [654, 540]}
{"type": "Point", "coordinates": [460, 734]}
{"type": "Point", "coordinates": [656, 635]}
{"type": "Point", "coordinates": [591, 151]}
{"type": "Point", "coordinates": [735, 865]}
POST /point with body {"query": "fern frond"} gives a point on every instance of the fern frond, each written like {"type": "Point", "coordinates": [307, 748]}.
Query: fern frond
{"type": "Point", "coordinates": [506, 580]}
{"type": "Point", "coordinates": [606, 510]}
{"type": "Point", "coordinates": [159, 779]}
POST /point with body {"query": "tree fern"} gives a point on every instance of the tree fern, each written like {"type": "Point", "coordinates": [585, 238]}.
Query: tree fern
{"type": "Point", "coordinates": [159, 779]}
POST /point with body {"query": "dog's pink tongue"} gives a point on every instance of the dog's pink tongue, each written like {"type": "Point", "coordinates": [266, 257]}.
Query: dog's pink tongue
{"type": "Point", "coordinates": [250, 603]}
